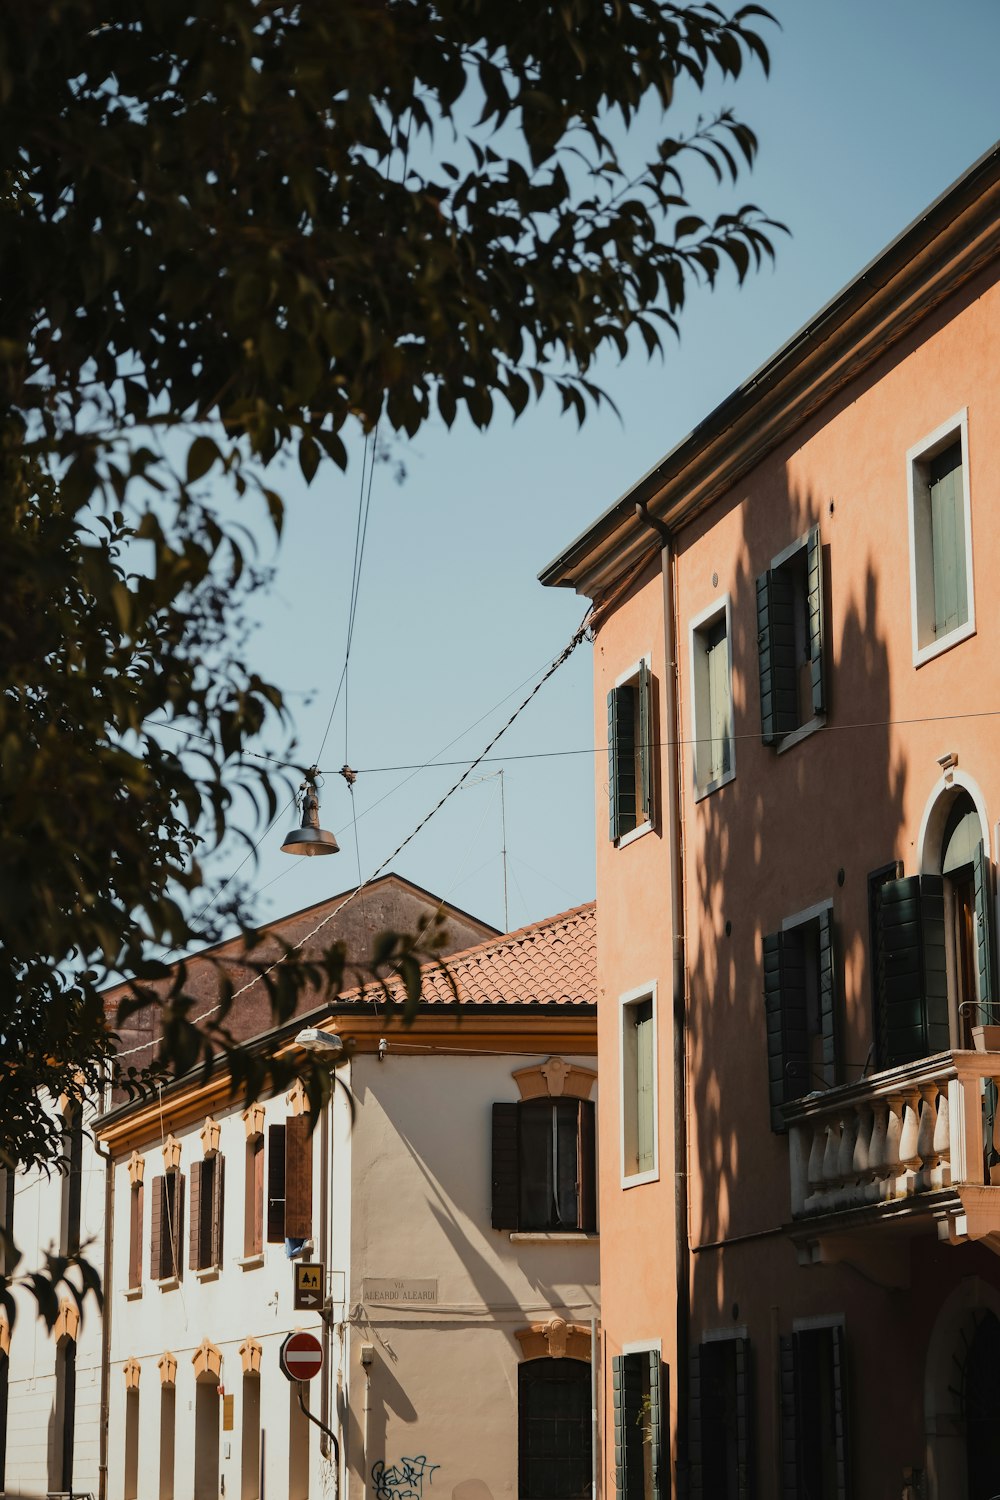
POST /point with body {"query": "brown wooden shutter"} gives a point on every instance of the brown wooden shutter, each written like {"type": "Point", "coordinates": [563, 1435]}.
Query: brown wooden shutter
{"type": "Point", "coordinates": [194, 1230]}
{"type": "Point", "coordinates": [253, 1200]}
{"type": "Point", "coordinates": [177, 1226]}
{"type": "Point", "coordinates": [135, 1237]}
{"type": "Point", "coordinates": [218, 1206]}
{"type": "Point", "coordinates": [587, 1157]}
{"type": "Point", "coordinates": [275, 1184]}
{"type": "Point", "coordinates": [506, 1192]}
{"type": "Point", "coordinates": [156, 1228]}
{"type": "Point", "coordinates": [298, 1178]}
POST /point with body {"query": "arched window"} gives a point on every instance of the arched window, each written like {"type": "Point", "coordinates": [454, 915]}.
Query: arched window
{"type": "Point", "coordinates": [553, 1429]}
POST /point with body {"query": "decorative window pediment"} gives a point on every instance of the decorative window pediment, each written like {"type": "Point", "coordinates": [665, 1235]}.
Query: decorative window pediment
{"type": "Point", "coordinates": [556, 1078]}
{"type": "Point", "coordinates": [555, 1339]}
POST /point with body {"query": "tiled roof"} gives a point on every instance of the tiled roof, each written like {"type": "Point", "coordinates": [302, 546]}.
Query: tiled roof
{"type": "Point", "coordinates": [553, 962]}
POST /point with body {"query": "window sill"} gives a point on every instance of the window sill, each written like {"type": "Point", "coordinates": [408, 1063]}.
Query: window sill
{"type": "Point", "coordinates": [633, 834]}
{"type": "Point", "coordinates": [639, 1179]}
{"type": "Point", "coordinates": [168, 1283]}
{"type": "Point", "coordinates": [251, 1262]}
{"type": "Point", "coordinates": [935, 648]}
{"type": "Point", "coordinates": [713, 786]}
{"type": "Point", "coordinates": [207, 1273]}
{"type": "Point", "coordinates": [802, 733]}
{"type": "Point", "coordinates": [133, 1293]}
{"type": "Point", "coordinates": [561, 1236]}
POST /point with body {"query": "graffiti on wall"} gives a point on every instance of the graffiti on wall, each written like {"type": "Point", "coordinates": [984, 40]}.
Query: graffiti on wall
{"type": "Point", "coordinates": [403, 1481]}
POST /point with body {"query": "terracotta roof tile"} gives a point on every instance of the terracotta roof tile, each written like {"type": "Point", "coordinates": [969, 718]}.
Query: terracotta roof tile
{"type": "Point", "coordinates": [552, 962]}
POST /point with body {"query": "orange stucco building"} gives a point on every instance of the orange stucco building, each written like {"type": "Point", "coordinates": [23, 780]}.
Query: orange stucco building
{"type": "Point", "coordinates": [797, 667]}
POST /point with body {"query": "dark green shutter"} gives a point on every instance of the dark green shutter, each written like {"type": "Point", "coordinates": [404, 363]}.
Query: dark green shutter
{"type": "Point", "coordinates": [911, 974]}
{"type": "Point", "coordinates": [695, 1478]}
{"type": "Point", "coordinates": [982, 875]}
{"type": "Point", "coordinates": [814, 565]}
{"type": "Point", "coordinates": [789, 1420]}
{"type": "Point", "coordinates": [657, 1425]}
{"type": "Point", "coordinates": [505, 1169]}
{"type": "Point", "coordinates": [779, 706]}
{"type": "Point", "coordinates": [785, 1016]}
{"type": "Point", "coordinates": [840, 1393]}
{"type": "Point", "coordinates": [829, 1017]}
{"type": "Point", "coordinates": [618, 1387]}
{"type": "Point", "coordinates": [613, 828]}
{"type": "Point", "coordinates": [626, 1376]}
{"type": "Point", "coordinates": [744, 1419]}
{"type": "Point", "coordinates": [646, 742]}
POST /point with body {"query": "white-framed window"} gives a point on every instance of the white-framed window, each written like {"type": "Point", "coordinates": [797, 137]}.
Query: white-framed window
{"type": "Point", "coordinates": [714, 749]}
{"type": "Point", "coordinates": [942, 606]}
{"type": "Point", "coordinates": [630, 754]}
{"type": "Point", "coordinates": [638, 1084]}
{"type": "Point", "coordinates": [791, 643]}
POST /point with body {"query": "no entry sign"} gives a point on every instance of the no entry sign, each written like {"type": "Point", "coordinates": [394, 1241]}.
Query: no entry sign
{"type": "Point", "coordinates": [301, 1356]}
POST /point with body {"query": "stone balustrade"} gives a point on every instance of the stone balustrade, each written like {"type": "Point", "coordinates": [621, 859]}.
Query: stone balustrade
{"type": "Point", "coordinates": [915, 1129]}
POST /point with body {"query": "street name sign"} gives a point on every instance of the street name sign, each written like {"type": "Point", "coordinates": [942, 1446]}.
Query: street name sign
{"type": "Point", "coordinates": [310, 1279]}
{"type": "Point", "coordinates": [301, 1356]}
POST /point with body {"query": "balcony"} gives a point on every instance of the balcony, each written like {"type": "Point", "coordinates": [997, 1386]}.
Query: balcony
{"type": "Point", "coordinates": [903, 1148]}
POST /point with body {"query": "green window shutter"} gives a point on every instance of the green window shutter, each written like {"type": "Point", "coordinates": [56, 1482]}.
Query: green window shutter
{"type": "Point", "coordinates": [655, 1422]}
{"type": "Point", "coordinates": [505, 1171]}
{"type": "Point", "coordinates": [744, 1419]}
{"type": "Point", "coordinates": [829, 1017]}
{"type": "Point", "coordinates": [625, 728]}
{"type": "Point", "coordinates": [789, 1420]}
{"type": "Point", "coordinates": [985, 953]}
{"type": "Point", "coordinates": [645, 693]}
{"type": "Point", "coordinates": [768, 722]}
{"type": "Point", "coordinates": [948, 539]}
{"type": "Point", "coordinates": [911, 976]}
{"type": "Point", "coordinates": [696, 1488]}
{"type": "Point", "coordinates": [840, 1412]}
{"type": "Point", "coordinates": [814, 569]}
{"type": "Point", "coordinates": [613, 823]}
{"type": "Point", "coordinates": [618, 1385]}
{"type": "Point", "coordinates": [644, 1095]}
{"type": "Point", "coordinates": [787, 1027]}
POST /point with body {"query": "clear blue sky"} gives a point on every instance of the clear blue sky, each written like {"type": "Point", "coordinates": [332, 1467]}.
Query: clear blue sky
{"type": "Point", "coordinates": [872, 109]}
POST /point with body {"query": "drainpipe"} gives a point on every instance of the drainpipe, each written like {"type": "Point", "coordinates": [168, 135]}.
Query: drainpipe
{"type": "Point", "coordinates": [675, 843]}
{"type": "Point", "coordinates": [109, 1208]}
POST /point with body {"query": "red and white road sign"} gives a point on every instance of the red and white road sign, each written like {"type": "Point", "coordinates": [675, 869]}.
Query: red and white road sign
{"type": "Point", "coordinates": [301, 1356]}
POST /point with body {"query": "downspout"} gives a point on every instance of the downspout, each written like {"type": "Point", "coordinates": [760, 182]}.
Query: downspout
{"type": "Point", "coordinates": [109, 1207]}
{"type": "Point", "coordinates": [676, 854]}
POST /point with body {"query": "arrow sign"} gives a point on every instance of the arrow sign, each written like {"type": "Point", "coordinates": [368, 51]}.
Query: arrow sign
{"type": "Point", "coordinates": [310, 1281]}
{"type": "Point", "coordinates": [300, 1356]}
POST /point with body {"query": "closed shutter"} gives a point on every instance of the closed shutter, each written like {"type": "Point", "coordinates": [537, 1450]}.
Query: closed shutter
{"type": "Point", "coordinates": [275, 1184]}
{"type": "Point", "coordinates": [985, 952]}
{"type": "Point", "coordinates": [587, 1156]}
{"type": "Point", "coordinates": [626, 1376]}
{"type": "Point", "coordinates": [156, 1229]}
{"type": "Point", "coordinates": [828, 1009]}
{"type": "Point", "coordinates": [613, 821]}
{"type": "Point", "coordinates": [789, 1421]}
{"type": "Point", "coordinates": [218, 1207]}
{"type": "Point", "coordinates": [645, 743]}
{"type": "Point", "coordinates": [744, 1419]}
{"type": "Point", "coordinates": [912, 983]}
{"type": "Point", "coordinates": [135, 1237]}
{"type": "Point", "coordinates": [779, 711]}
{"type": "Point", "coordinates": [298, 1178]}
{"type": "Point", "coordinates": [695, 1480]}
{"type": "Point", "coordinates": [195, 1260]}
{"type": "Point", "coordinates": [814, 608]}
{"type": "Point", "coordinates": [840, 1412]}
{"type": "Point", "coordinates": [655, 1422]}
{"type": "Point", "coordinates": [787, 1026]}
{"type": "Point", "coordinates": [506, 1191]}
{"type": "Point", "coordinates": [175, 1202]}
{"type": "Point", "coordinates": [625, 746]}
{"type": "Point", "coordinates": [768, 722]}
{"type": "Point", "coordinates": [948, 539]}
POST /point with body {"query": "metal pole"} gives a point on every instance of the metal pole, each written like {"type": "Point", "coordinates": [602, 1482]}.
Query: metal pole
{"type": "Point", "coordinates": [322, 1427]}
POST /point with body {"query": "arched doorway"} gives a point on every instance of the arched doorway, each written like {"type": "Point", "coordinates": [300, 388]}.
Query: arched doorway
{"type": "Point", "coordinates": [981, 1404]}
{"type": "Point", "coordinates": [553, 1429]}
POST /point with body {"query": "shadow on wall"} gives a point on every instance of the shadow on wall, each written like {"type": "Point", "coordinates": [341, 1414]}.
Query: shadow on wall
{"type": "Point", "coordinates": [769, 844]}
